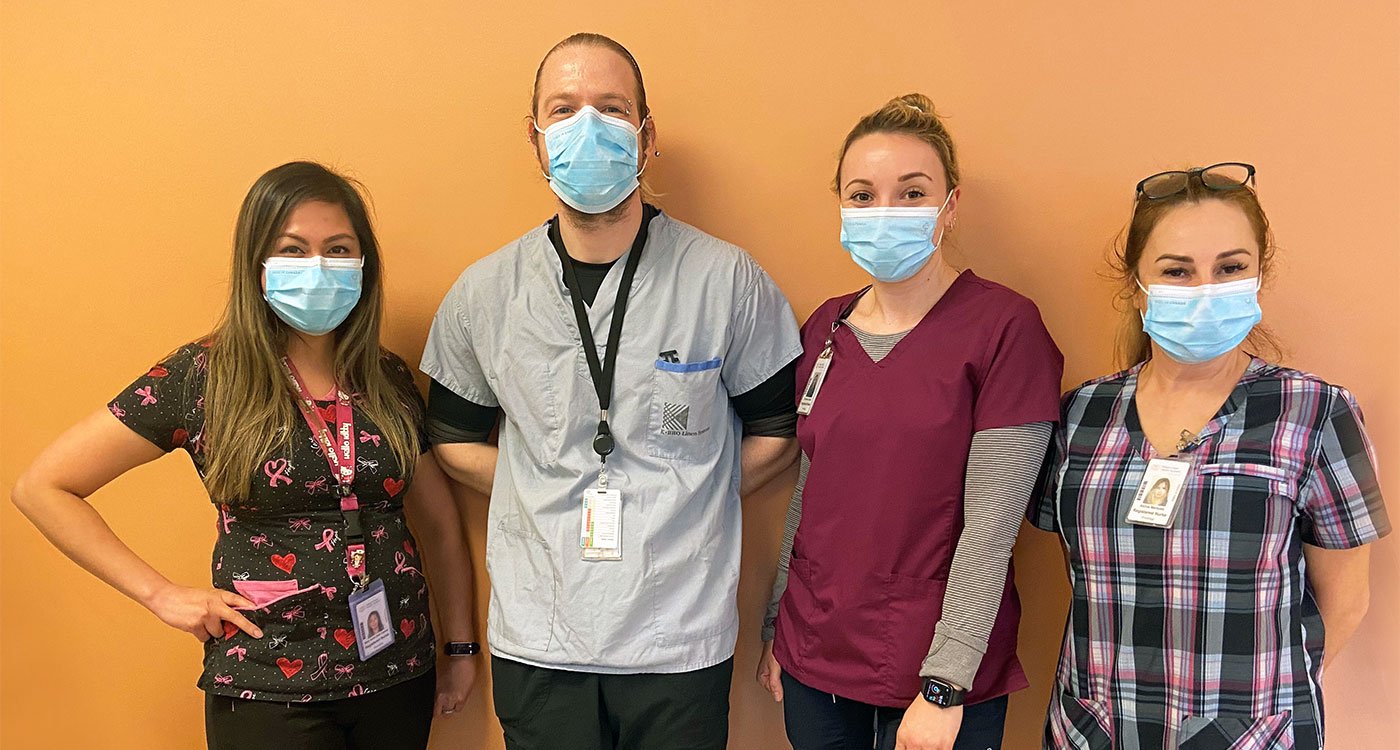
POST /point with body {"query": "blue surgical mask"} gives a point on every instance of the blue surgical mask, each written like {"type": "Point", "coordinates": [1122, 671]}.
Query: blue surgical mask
{"type": "Point", "coordinates": [592, 160]}
{"type": "Point", "coordinates": [313, 295]}
{"type": "Point", "coordinates": [1195, 324]}
{"type": "Point", "coordinates": [891, 243]}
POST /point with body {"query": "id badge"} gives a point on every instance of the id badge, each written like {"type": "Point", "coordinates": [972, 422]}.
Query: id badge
{"type": "Point", "coordinates": [369, 614]}
{"type": "Point", "coordinates": [600, 534]}
{"type": "Point", "coordinates": [814, 382]}
{"type": "Point", "coordinates": [1158, 497]}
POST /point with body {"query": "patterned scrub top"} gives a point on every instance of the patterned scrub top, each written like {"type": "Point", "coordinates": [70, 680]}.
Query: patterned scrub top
{"type": "Point", "coordinates": [283, 548]}
{"type": "Point", "coordinates": [1206, 635]}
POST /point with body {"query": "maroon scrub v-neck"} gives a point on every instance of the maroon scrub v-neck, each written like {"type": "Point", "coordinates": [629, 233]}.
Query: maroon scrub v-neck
{"type": "Point", "coordinates": [882, 508]}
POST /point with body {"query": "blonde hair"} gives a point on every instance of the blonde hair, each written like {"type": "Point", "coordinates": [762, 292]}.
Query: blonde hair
{"type": "Point", "coordinates": [913, 115]}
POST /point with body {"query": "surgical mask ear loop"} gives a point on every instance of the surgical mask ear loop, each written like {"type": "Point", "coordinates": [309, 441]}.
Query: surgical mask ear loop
{"type": "Point", "coordinates": [939, 242]}
{"type": "Point", "coordinates": [643, 127]}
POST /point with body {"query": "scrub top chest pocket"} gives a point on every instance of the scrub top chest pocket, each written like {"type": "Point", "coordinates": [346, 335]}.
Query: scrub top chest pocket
{"type": "Point", "coordinates": [687, 407]}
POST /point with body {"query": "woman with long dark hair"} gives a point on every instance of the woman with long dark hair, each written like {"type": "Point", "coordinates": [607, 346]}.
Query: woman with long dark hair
{"type": "Point", "coordinates": [308, 435]}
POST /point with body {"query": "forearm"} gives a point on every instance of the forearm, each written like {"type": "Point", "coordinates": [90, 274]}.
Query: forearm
{"type": "Point", "coordinates": [790, 524]}
{"type": "Point", "coordinates": [80, 533]}
{"type": "Point", "coordinates": [437, 524]}
{"type": "Point", "coordinates": [1002, 467]}
{"type": "Point", "coordinates": [470, 464]}
{"type": "Point", "coordinates": [763, 458]}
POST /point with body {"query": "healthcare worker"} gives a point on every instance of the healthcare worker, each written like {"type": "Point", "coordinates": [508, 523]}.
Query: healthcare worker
{"type": "Point", "coordinates": [1198, 616]}
{"type": "Point", "coordinates": [928, 402]}
{"type": "Point", "coordinates": [639, 364]}
{"type": "Point", "coordinates": [308, 435]}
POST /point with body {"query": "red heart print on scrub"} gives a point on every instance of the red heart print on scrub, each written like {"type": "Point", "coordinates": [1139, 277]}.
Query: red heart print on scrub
{"type": "Point", "coordinates": [229, 629]}
{"type": "Point", "coordinates": [179, 437]}
{"type": "Point", "coordinates": [346, 638]}
{"type": "Point", "coordinates": [407, 626]}
{"type": "Point", "coordinates": [328, 413]}
{"type": "Point", "coordinates": [393, 486]}
{"type": "Point", "coordinates": [284, 562]}
{"type": "Point", "coordinates": [158, 372]}
{"type": "Point", "coordinates": [289, 667]}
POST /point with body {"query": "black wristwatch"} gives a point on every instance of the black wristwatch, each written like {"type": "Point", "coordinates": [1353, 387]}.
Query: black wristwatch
{"type": "Point", "coordinates": [461, 648]}
{"type": "Point", "coordinates": [942, 694]}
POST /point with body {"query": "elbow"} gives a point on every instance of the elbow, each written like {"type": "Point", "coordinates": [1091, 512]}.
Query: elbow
{"type": "Point", "coordinates": [1362, 604]}
{"type": "Point", "coordinates": [22, 494]}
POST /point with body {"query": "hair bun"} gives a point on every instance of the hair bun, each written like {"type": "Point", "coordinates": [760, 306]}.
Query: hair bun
{"type": "Point", "coordinates": [917, 102]}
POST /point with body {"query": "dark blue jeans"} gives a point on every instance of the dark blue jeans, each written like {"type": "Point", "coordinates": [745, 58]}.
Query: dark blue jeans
{"type": "Point", "coordinates": [821, 721]}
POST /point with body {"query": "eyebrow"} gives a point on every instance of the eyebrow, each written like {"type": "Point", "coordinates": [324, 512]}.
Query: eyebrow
{"type": "Point", "coordinates": [570, 96]}
{"type": "Point", "coordinates": [912, 175]}
{"type": "Point", "coordinates": [859, 181]}
{"type": "Point", "coordinates": [1188, 259]}
{"type": "Point", "coordinates": [332, 238]}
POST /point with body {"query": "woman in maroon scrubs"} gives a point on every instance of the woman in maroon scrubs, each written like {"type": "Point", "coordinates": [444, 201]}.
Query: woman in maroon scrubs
{"type": "Point", "coordinates": [928, 403]}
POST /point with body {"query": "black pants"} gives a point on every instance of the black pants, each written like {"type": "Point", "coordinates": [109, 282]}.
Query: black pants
{"type": "Point", "coordinates": [549, 709]}
{"type": "Point", "coordinates": [816, 721]}
{"type": "Point", "coordinates": [396, 718]}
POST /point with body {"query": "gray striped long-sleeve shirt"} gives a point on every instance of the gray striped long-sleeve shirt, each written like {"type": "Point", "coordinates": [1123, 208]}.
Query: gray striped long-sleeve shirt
{"type": "Point", "coordinates": [1001, 470]}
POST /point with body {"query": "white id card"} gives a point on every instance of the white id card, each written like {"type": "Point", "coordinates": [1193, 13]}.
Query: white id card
{"type": "Point", "coordinates": [600, 535]}
{"type": "Point", "coordinates": [1159, 495]}
{"type": "Point", "coordinates": [369, 614]}
{"type": "Point", "coordinates": [814, 382]}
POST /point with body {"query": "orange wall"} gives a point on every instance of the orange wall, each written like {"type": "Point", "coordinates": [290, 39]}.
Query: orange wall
{"type": "Point", "coordinates": [130, 131]}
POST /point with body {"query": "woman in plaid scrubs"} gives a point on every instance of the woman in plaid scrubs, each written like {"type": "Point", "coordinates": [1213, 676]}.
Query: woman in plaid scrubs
{"type": "Point", "coordinates": [1206, 633]}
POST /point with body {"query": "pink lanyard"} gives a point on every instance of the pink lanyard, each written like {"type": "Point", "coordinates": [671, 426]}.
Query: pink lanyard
{"type": "Point", "coordinates": [342, 463]}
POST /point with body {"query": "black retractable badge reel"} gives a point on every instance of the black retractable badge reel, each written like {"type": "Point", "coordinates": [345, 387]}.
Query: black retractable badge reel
{"type": "Point", "coordinates": [823, 363]}
{"type": "Point", "coordinates": [601, 523]}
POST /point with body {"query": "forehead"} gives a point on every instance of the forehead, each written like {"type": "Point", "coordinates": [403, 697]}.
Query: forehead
{"type": "Point", "coordinates": [1202, 230]}
{"type": "Point", "coordinates": [586, 70]}
{"type": "Point", "coordinates": [890, 156]}
{"type": "Point", "coordinates": [310, 216]}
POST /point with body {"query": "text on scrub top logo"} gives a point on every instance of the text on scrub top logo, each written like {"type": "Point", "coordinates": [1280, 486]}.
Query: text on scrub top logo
{"type": "Point", "coordinates": [675, 420]}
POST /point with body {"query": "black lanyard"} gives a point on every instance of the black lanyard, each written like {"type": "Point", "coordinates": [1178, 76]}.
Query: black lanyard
{"type": "Point", "coordinates": [845, 313]}
{"type": "Point", "coordinates": [602, 372]}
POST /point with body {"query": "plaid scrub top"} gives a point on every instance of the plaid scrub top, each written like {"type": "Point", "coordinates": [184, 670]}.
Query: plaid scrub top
{"type": "Point", "coordinates": [1205, 635]}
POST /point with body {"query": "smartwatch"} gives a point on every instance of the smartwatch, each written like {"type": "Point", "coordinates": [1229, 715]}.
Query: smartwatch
{"type": "Point", "coordinates": [461, 648]}
{"type": "Point", "coordinates": [942, 694]}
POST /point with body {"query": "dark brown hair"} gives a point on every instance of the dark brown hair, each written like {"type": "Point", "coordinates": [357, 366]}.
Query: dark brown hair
{"type": "Point", "coordinates": [911, 114]}
{"type": "Point", "coordinates": [250, 409]}
{"type": "Point", "coordinates": [584, 38]}
{"type": "Point", "coordinates": [1134, 345]}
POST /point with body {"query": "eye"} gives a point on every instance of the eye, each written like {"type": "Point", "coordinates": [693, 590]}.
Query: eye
{"type": "Point", "coordinates": [561, 111]}
{"type": "Point", "coordinates": [1231, 269]}
{"type": "Point", "coordinates": [340, 250]}
{"type": "Point", "coordinates": [613, 109]}
{"type": "Point", "coordinates": [1176, 272]}
{"type": "Point", "coordinates": [860, 196]}
{"type": "Point", "coordinates": [290, 250]}
{"type": "Point", "coordinates": [914, 194]}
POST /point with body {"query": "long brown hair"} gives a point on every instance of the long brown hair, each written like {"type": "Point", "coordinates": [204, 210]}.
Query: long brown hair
{"type": "Point", "coordinates": [1133, 343]}
{"type": "Point", "coordinates": [249, 410]}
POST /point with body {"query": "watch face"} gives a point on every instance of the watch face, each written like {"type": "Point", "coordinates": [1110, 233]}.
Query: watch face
{"type": "Point", "coordinates": [938, 693]}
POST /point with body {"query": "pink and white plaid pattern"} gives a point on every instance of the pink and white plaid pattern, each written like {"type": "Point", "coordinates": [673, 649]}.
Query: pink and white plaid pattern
{"type": "Point", "coordinates": [1204, 636]}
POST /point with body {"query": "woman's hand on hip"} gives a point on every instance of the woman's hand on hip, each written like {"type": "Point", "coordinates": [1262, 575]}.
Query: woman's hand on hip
{"type": "Point", "coordinates": [201, 612]}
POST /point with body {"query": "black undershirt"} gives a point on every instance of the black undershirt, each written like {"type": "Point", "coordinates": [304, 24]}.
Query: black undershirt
{"type": "Point", "coordinates": [766, 410]}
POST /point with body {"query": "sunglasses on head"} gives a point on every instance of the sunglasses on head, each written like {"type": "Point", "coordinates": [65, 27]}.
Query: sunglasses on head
{"type": "Point", "coordinates": [1230, 175]}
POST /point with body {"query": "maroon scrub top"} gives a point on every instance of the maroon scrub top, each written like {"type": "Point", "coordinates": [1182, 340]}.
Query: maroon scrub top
{"type": "Point", "coordinates": [883, 505]}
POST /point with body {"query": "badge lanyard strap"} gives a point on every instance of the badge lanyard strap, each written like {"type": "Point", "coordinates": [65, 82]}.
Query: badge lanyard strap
{"type": "Point", "coordinates": [602, 372]}
{"type": "Point", "coordinates": [841, 320]}
{"type": "Point", "coordinates": [342, 463]}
